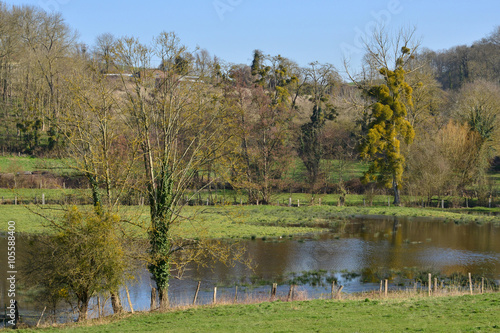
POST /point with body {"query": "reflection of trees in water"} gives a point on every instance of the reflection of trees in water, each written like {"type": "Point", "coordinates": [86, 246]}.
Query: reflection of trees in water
{"type": "Point", "coordinates": [399, 249]}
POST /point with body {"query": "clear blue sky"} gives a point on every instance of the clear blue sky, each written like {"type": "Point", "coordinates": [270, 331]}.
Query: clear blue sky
{"type": "Point", "coordinates": [304, 31]}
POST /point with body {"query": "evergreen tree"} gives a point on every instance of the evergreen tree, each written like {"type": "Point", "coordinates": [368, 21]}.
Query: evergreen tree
{"type": "Point", "coordinates": [387, 125]}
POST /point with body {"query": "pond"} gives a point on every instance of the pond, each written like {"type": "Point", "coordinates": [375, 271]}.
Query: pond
{"type": "Point", "coordinates": [356, 253]}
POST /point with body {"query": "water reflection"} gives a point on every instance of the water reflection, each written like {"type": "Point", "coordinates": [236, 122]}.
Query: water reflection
{"type": "Point", "coordinates": [365, 245]}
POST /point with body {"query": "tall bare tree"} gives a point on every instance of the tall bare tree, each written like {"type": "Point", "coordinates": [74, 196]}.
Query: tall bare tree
{"type": "Point", "coordinates": [182, 125]}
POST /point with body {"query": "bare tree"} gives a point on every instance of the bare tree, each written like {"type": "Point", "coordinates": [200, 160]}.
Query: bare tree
{"type": "Point", "coordinates": [103, 50]}
{"type": "Point", "coordinates": [181, 126]}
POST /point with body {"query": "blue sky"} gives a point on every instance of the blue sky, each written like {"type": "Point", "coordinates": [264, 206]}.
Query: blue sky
{"type": "Point", "coordinates": [304, 31]}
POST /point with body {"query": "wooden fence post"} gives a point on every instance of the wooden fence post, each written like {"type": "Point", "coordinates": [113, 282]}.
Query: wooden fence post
{"type": "Point", "coordinates": [153, 298]}
{"type": "Point", "coordinates": [196, 293]}
{"type": "Point", "coordinates": [38, 322]}
{"type": "Point", "coordinates": [290, 293]}
{"type": "Point", "coordinates": [339, 293]}
{"type": "Point", "coordinates": [128, 299]}
{"type": "Point", "coordinates": [470, 283]}
{"type": "Point", "coordinates": [236, 294]}
{"type": "Point", "coordinates": [273, 291]}
{"type": "Point", "coordinates": [430, 283]}
{"type": "Point", "coordinates": [215, 295]}
{"type": "Point", "coordinates": [386, 287]}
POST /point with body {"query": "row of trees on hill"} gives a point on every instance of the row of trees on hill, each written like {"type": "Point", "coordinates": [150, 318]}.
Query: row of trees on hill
{"type": "Point", "coordinates": [129, 123]}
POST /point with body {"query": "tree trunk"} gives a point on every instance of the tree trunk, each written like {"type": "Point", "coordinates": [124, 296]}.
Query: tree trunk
{"type": "Point", "coordinates": [83, 307]}
{"type": "Point", "coordinates": [397, 201]}
{"type": "Point", "coordinates": [163, 297]}
{"type": "Point", "coordinates": [116, 302]}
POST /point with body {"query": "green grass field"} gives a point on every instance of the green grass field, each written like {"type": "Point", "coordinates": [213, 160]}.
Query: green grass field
{"type": "Point", "coordinates": [243, 222]}
{"type": "Point", "coordinates": [14, 164]}
{"type": "Point", "coordinates": [478, 313]}
{"type": "Point", "coordinates": [199, 222]}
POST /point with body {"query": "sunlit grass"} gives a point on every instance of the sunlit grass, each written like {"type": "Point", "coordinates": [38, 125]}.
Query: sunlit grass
{"type": "Point", "coordinates": [366, 314]}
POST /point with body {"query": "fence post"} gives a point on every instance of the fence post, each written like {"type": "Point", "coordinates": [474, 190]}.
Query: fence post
{"type": "Point", "coordinates": [38, 322]}
{"type": "Point", "coordinates": [290, 293]}
{"type": "Point", "coordinates": [290, 202]}
{"type": "Point", "coordinates": [196, 293]}
{"type": "Point", "coordinates": [43, 198]}
{"type": "Point", "coordinates": [339, 292]}
{"type": "Point", "coordinates": [273, 291]}
{"type": "Point", "coordinates": [386, 287]}
{"type": "Point", "coordinates": [430, 283]}
{"type": "Point", "coordinates": [153, 298]}
{"type": "Point", "coordinates": [128, 299]}
{"type": "Point", "coordinates": [470, 283]}
{"type": "Point", "coordinates": [215, 295]}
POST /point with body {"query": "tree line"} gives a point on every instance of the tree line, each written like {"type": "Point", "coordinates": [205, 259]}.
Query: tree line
{"type": "Point", "coordinates": [280, 112]}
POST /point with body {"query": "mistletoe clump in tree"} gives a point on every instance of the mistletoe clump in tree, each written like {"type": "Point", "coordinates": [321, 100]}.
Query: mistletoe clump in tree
{"type": "Point", "coordinates": [387, 126]}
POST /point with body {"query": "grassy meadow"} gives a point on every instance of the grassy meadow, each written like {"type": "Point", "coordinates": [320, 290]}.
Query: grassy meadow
{"type": "Point", "coordinates": [477, 313]}
{"type": "Point", "coordinates": [14, 164]}
{"type": "Point", "coordinates": [245, 222]}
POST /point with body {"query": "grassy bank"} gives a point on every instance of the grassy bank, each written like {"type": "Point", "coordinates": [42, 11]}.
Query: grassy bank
{"type": "Point", "coordinates": [435, 314]}
{"type": "Point", "coordinates": [204, 222]}
{"type": "Point", "coordinates": [251, 221]}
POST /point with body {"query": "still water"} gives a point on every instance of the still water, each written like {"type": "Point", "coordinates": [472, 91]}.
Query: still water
{"type": "Point", "coordinates": [355, 253]}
